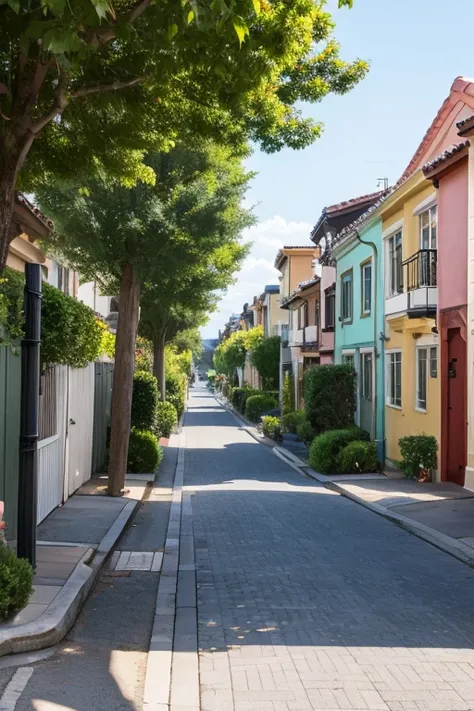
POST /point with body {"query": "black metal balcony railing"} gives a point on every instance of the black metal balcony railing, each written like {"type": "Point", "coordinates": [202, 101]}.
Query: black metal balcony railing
{"type": "Point", "coordinates": [421, 269]}
{"type": "Point", "coordinates": [421, 282]}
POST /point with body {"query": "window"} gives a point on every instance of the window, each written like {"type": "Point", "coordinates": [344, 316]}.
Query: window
{"type": "Point", "coordinates": [346, 297]}
{"type": "Point", "coordinates": [434, 362]}
{"type": "Point", "coordinates": [366, 285]}
{"type": "Point", "coordinates": [316, 316]}
{"type": "Point", "coordinates": [367, 377]}
{"type": "Point", "coordinates": [348, 359]}
{"type": "Point", "coordinates": [303, 316]}
{"type": "Point", "coordinates": [429, 228]}
{"type": "Point", "coordinates": [421, 377]}
{"type": "Point", "coordinates": [395, 275]}
{"type": "Point", "coordinates": [394, 379]}
{"type": "Point", "coordinates": [330, 308]}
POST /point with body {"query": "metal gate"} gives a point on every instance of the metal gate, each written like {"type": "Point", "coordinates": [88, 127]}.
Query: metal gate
{"type": "Point", "coordinates": [80, 427]}
{"type": "Point", "coordinates": [102, 405]}
{"type": "Point", "coordinates": [10, 388]}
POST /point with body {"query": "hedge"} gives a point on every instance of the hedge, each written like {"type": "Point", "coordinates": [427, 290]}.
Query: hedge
{"type": "Point", "coordinates": [144, 400]}
{"type": "Point", "coordinates": [419, 453]}
{"type": "Point", "coordinates": [325, 448]}
{"type": "Point", "coordinates": [357, 457]}
{"type": "Point", "coordinates": [329, 395]}
{"type": "Point", "coordinates": [144, 452]}
{"type": "Point", "coordinates": [166, 419]}
{"type": "Point", "coordinates": [16, 582]}
{"type": "Point", "coordinates": [305, 432]}
{"type": "Point", "coordinates": [291, 420]}
{"type": "Point", "coordinates": [257, 405]}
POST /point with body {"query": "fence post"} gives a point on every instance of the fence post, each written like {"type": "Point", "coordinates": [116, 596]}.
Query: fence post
{"type": "Point", "coordinates": [30, 386]}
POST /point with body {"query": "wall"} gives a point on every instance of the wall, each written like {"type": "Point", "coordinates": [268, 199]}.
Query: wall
{"type": "Point", "coordinates": [301, 269]}
{"type": "Point", "coordinates": [277, 315]}
{"type": "Point", "coordinates": [328, 278]}
{"type": "Point", "coordinates": [90, 295]}
{"type": "Point", "coordinates": [452, 238]}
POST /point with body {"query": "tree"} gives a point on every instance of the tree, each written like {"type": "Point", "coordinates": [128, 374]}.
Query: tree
{"type": "Point", "coordinates": [189, 339]}
{"type": "Point", "coordinates": [88, 87]}
{"type": "Point", "coordinates": [265, 356]}
{"type": "Point", "coordinates": [230, 354]}
{"type": "Point", "coordinates": [147, 240]}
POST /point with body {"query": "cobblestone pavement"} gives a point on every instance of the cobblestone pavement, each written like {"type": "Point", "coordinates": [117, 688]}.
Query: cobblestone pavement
{"type": "Point", "coordinates": [307, 600]}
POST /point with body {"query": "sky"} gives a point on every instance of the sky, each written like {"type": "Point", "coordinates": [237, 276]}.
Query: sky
{"type": "Point", "coordinates": [416, 48]}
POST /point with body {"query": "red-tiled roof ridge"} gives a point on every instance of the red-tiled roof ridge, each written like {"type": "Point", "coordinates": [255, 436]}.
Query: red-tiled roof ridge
{"type": "Point", "coordinates": [459, 86]}
{"type": "Point", "coordinates": [445, 156]}
{"type": "Point", "coordinates": [466, 125]}
{"type": "Point", "coordinates": [360, 220]}
{"type": "Point", "coordinates": [281, 251]}
{"type": "Point", "coordinates": [353, 202]}
{"type": "Point", "coordinates": [20, 198]}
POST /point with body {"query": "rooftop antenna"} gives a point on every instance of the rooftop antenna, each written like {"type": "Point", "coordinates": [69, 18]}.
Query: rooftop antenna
{"type": "Point", "coordinates": [384, 182]}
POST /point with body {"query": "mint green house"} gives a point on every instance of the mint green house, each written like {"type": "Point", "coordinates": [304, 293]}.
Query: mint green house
{"type": "Point", "coordinates": [359, 323]}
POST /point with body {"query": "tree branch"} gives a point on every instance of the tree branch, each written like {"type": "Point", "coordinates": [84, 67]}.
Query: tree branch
{"type": "Point", "coordinates": [60, 103]}
{"type": "Point", "coordinates": [99, 36]}
{"type": "Point", "coordinates": [101, 88]}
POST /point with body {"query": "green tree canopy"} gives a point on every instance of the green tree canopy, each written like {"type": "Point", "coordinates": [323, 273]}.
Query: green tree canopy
{"type": "Point", "coordinates": [91, 85]}
{"type": "Point", "coordinates": [265, 356]}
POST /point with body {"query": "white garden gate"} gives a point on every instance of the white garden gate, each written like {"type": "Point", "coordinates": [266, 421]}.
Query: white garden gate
{"type": "Point", "coordinates": [65, 434]}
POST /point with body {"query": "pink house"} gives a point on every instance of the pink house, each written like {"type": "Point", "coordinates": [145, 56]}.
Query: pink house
{"type": "Point", "coordinates": [449, 174]}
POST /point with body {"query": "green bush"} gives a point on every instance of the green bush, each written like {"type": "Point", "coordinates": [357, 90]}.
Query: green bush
{"type": "Point", "coordinates": [287, 402]}
{"type": "Point", "coordinates": [271, 427]}
{"type": "Point", "coordinates": [291, 420]}
{"type": "Point", "coordinates": [359, 457]}
{"type": "Point", "coordinates": [16, 578]}
{"type": "Point", "coordinates": [238, 396]}
{"type": "Point", "coordinates": [265, 356]}
{"type": "Point", "coordinates": [144, 452]}
{"type": "Point", "coordinates": [325, 448]}
{"type": "Point", "coordinates": [166, 419]}
{"type": "Point", "coordinates": [329, 396]}
{"type": "Point", "coordinates": [258, 404]}
{"type": "Point", "coordinates": [305, 432]}
{"type": "Point", "coordinates": [144, 400]}
{"type": "Point", "coordinates": [419, 452]}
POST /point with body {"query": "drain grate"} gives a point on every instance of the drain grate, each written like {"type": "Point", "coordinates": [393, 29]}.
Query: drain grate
{"type": "Point", "coordinates": [137, 560]}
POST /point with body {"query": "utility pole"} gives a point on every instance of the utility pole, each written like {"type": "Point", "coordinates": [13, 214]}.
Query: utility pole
{"type": "Point", "coordinates": [30, 387]}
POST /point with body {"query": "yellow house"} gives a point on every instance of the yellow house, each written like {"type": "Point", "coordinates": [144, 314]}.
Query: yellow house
{"type": "Point", "coordinates": [410, 234]}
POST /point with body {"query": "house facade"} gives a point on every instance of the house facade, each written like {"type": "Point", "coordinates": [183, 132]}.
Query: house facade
{"type": "Point", "coordinates": [360, 319]}
{"type": "Point", "coordinates": [448, 173]}
{"type": "Point", "coordinates": [296, 265]}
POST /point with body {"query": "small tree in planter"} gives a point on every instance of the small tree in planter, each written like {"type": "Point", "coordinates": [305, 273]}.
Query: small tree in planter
{"type": "Point", "coordinates": [419, 456]}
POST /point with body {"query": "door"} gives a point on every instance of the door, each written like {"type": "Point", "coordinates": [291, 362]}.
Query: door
{"type": "Point", "coordinates": [457, 425]}
{"type": "Point", "coordinates": [80, 426]}
{"type": "Point", "coordinates": [366, 390]}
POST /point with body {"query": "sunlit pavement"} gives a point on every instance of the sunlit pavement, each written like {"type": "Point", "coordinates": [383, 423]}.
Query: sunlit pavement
{"type": "Point", "coordinates": [307, 600]}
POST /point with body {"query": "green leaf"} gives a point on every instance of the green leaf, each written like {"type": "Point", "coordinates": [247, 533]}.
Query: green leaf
{"type": "Point", "coordinates": [172, 30]}
{"type": "Point", "coordinates": [13, 4]}
{"type": "Point", "coordinates": [56, 7]}
{"type": "Point", "coordinates": [240, 28]}
{"type": "Point", "coordinates": [256, 6]}
{"type": "Point", "coordinates": [103, 8]}
{"type": "Point", "coordinates": [345, 3]}
{"type": "Point", "coordinates": [190, 17]}
{"type": "Point", "coordinates": [58, 41]}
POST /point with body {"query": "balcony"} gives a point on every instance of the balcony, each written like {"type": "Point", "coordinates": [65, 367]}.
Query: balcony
{"type": "Point", "coordinates": [421, 284]}
{"type": "Point", "coordinates": [311, 338]}
{"type": "Point", "coordinates": [297, 337]}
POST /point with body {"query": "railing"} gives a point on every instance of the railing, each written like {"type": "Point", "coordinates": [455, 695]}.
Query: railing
{"type": "Point", "coordinates": [421, 269]}
{"type": "Point", "coordinates": [421, 283]}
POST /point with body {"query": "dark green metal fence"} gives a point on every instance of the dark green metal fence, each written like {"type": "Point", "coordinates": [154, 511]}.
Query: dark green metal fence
{"type": "Point", "coordinates": [102, 402]}
{"type": "Point", "coordinates": [10, 388]}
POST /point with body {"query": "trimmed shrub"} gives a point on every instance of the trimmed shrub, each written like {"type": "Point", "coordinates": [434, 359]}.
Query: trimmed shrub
{"type": "Point", "coordinates": [144, 400]}
{"type": "Point", "coordinates": [291, 420]}
{"type": "Point", "coordinates": [176, 390]}
{"type": "Point", "coordinates": [248, 392]}
{"type": "Point", "coordinates": [287, 403]}
{"type": "Point", "coordinates": [271, 427]}
{"type": "Point", "coordinates": [16, 578]}
{"type": "Point", "coordinates": [325, 448]}
{"type": "Point", "coordinates": [257, 405]}
{"type": "Point", "coordinates": [305, 432]}
{"type": "Point", "coordinates": [357, 457]}
{"type": "Point", "coordinates": [419, 453]}
{"type": "Point", "coordinates": [265, 356]}
{"type": "Point", "coordinates": [329, 396]}
{"type": "Point", "coordinates": [144, 452]}
{"type": "Point", "coordinates": [166, 419]}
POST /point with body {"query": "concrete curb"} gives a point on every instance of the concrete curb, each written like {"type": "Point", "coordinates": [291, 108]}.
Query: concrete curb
{"type": "Point", "coordinates": [449, 545]}
{"type": "Point", "coordinates": [57, 620]}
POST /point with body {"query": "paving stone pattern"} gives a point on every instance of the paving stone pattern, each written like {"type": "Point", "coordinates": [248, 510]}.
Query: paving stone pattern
{"type": "Point", "coordinates": [307, 600]}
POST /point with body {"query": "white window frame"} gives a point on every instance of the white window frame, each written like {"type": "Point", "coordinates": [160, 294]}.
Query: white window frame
{"type": "Point", "coordinates": [351, 353]}
{"type": "Point", "coordinates": [418, 349]}
{"type": "Point", "coordinates": [363, 267]}
{"type": "Point", "coordinates": [433, 348]}
{"type": "Point", "coordinates": [388, 355]}
{"type": "Point", "coordinates": [365, 352]}
{"type": "Point", "coordinates": [345, 276]}
{"type": "Point", "coordinates": [388, 261]}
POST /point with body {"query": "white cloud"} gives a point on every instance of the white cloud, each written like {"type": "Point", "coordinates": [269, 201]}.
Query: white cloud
{"type": "Point", "coordinates": [257, 270]}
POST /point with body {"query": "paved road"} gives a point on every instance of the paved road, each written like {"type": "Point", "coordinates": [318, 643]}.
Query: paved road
{"type": "Point", "coordinates": [307, 600]}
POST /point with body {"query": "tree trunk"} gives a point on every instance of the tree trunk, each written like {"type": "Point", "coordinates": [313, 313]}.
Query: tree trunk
{"type": "Point", "coordinates": [159, 362]}
{"type": "Point", "coordinates": [123, 379]}
{"type": "Point", "coordinates": [7, 202]}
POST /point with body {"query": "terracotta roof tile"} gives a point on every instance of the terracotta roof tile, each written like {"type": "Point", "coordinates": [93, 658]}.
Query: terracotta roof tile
{"type": "Point", "coordinates": [466, 125]}
{"type": "Point", "coordinates": [445, 156]}
{"type": "Point", "coordinates": [354, 202]}
{"type": "Point", "coordinates": [280, 253]}
{"type": "Point", "coordinates": [22, 200]}
{"type": "Point", "coordinates": [360, 220]}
